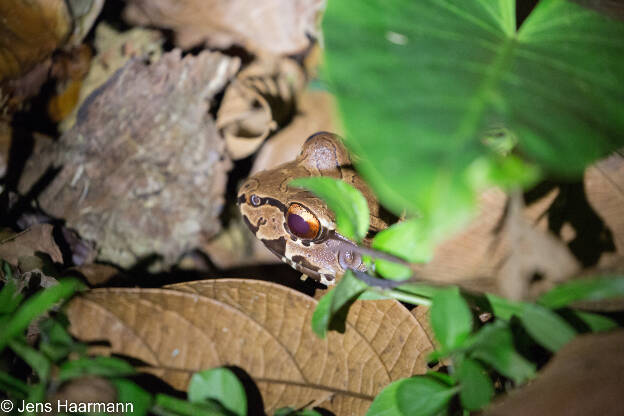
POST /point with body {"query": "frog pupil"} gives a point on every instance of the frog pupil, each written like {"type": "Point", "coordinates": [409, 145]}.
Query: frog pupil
{"type": "Point", "coordinates": [298, 225]}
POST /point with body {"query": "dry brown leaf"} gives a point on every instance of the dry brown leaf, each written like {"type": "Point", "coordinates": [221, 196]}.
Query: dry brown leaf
{"type": "Point", "coordinates": [114, 50]}
{"type": "Point", "coordinates": [28, 243]}
{"type": "Point", "coordinates": [143, 171]}
{"type": "Point", "coordinates": [96, 274]}
{"type": "Point", "coordinates": [30, 32]}
{"type": "Point", "coordinates": [531, 252]}
{"type": "Point", "coordinates": [271, 26]}
{"type": "Point", "coordinates": [503, 249]}
{"type": "Point", "coordinates": [316, 111]}
{"type": "Point", "coordinates": [5, 146]}
{"type": "Point", "coordinates": [83, 390]}
{"type": "Point", "coordinates": [263, 328]}
{"type": "Point", "coordinates": [604, 186]}
{"type": "Point", "coordinates": [584, 378]}
{"type": "Point", "coordinates": [260, 99]}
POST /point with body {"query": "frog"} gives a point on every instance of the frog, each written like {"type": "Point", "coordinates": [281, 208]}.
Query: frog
{"type": "Point", "coordinates": [297, 226]}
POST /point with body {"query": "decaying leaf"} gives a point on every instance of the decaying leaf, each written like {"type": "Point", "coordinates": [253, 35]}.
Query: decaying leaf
{"type": "Point", "coordinates": [260, 99]}
{"type": "Point", "coordinates": [38, 239]}
{"type": "Point", "coordinates": [604, 186]}
{"type": "Point", "coordinates": [532, 253]}
{"type": "Point", "coordinates": [84, 390]}
{"type": "Point", "coordinates": [30, 32]}
{"type": "Point", "coordinates": [316, 111]}
{"type": "Point", "coordinates": [114, 50]}
{"type": "Point", "coordinates": [143, 171]}
{"type": "Point", "coordinates": [96, 274]}
{"type": "Point", "coordinates": [277, 27]}
{"type": "Point", "coordinates": [584, 378]}
{"type": "Point", "coordinates": [507, 249]}
{"type": "Point", "coordinates": [5, 145]}
{"type": "Point", "coordinates": [263, 328]}
{"type": "Point", "coordinates": [69, 69]}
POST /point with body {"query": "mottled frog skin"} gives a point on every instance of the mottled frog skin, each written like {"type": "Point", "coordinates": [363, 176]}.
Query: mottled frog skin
{"type": "Point", "coordinates": [297, 226]}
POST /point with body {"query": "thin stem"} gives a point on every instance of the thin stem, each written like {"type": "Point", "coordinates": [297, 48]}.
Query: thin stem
{"type": "Point", "coordinates": [408, 297]}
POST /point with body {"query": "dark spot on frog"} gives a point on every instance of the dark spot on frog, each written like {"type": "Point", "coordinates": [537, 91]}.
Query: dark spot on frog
{"type": "Point", "coordinates": [305, 243]}
{"type": "Point", "coordinates": [277, 246]}
{"type": "Point", "coordinates": [302, 261]}
{"type": "Point", "coordinates": [242, 199]}
{"type": "Point", "coordinates": [293, 238]}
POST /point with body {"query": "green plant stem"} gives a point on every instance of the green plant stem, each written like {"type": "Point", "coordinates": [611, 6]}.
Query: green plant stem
{"type": "Point", "coordinates": [408, 297]}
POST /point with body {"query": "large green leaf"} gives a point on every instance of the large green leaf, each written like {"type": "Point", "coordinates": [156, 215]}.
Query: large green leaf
{"type": "Point", "coordinates": [419, 82]}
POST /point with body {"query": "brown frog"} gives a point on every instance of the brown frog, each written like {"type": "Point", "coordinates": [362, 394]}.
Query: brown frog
{"type": "Point", "coordinates": [296, 225]}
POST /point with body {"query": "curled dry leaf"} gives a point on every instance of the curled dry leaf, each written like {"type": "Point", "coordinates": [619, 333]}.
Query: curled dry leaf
{"type": "Point", "coordinates": [584, 378]}
{"type": "Point", "coordinates": [35, 240]}
{"type": "Point", "coordinates": [263, 328]}
{"type": "Point", "coordinates": [143, 171]}
{"type": "Point", "coordinates": [271, 26]}
{"type": "Point", "coordinates": [260, 99]}
{"type": "Point", "coordinates": [30, 32]}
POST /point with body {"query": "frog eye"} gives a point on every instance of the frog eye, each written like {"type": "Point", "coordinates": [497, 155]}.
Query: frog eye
{"type": "Point", "coordinates": [255, 200]}
{"type": "Point", "coordinates": [302, 223]}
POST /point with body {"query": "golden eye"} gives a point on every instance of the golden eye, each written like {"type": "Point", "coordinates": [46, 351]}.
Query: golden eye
{"type": "Point", "coordinates": [302, 223]}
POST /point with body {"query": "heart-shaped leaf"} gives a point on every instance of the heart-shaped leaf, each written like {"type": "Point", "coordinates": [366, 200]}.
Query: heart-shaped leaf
{"type": "Point", "coordinates": [419, 83]}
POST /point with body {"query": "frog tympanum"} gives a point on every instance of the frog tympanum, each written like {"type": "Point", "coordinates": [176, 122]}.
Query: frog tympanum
{"type": "Point", "coordinates": [297, 226]}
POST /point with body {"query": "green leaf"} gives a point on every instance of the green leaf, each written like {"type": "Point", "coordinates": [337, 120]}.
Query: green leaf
{"type": "Point", "coordinates": [347, 203]}
{"type": "Point", "coordinates": [321, 315]}
{"type": "Point", "coordinates": [546, 327]}
{"type": "Point", "coordinates": [36, 360]}
{"type": "Point", "coordinates": [451, 318]}
{"type": "Point", "coordinates": [35, 306]}
{"type": "Point", "coordinates": [13, 387]}
{"type": "Point", "coordinates": [476, 387]}
{"type": "Point", "coordinates": [129, 392]}
{"type": "Point", "coordinates": [96, 366]}
{"type": "Point", "coordinates": [419, 83]}
{"type": "Point", "coordinates": [415, 396]}
{"type": "Point", "coordinates": [219, 384]}
{"type": "Point", "coordinates": [331, 311]}
{"type": "Point", "coordinates": [493, 345]}
{"type": "Point", "coordinates": [442, 377]}
{"type": "Point", "coordinates": [56, 342]}
{"type": "Point", "coordinates": [404, 240]}
{"type": "Point", "coordinates": [596, 322]}
{"type": "Point", "coordinates": [9, 298]}
{"type": "Point", "coordinates": [583, 290]}
{"type": "Point", "coordinates": [167, 405]}
{"type": "Point", "coordinates": [504, 308]}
